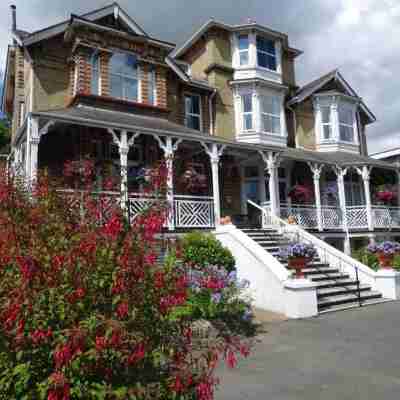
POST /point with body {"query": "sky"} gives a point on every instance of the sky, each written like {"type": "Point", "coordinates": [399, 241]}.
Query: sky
{"type": "Point", "coordinates": [360, 37]}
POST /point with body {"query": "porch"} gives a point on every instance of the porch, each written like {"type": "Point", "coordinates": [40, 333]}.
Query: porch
{"type": "Point", "coordinates": [231, 173]}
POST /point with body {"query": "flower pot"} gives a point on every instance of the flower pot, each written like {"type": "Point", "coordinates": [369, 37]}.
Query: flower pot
{"type": "Point", "coordinates": [298, 264]}
{"type": "Point", "coordinates": [386, 260]}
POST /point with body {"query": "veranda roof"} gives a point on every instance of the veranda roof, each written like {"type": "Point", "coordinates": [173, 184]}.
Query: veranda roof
{"type": "Point", "coordinates": [103, 118]}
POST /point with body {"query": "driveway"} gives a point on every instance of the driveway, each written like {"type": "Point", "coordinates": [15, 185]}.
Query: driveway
{"type": "Point", "coordinates": [353, 354]}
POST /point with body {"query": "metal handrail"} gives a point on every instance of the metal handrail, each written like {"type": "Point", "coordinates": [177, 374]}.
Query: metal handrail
{"type": "Point", "coordinates": [304, 236]}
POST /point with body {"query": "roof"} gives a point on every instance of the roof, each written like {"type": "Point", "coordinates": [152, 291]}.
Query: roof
{"type": "Point", "coordinates": [203, 84]}
{"type": "Point", "coordinates": [102, 118]}
{"type": "Point", "coordinates": [312, 87]}
{"type": "Point", "coordinates": [112, 9]}
{"type": "Point", "coordinates": [386, 154]}
{"type": "Point", "coordinates": [231, 28]}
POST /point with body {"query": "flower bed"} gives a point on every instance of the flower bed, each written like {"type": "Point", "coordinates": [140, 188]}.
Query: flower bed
{"type": "Point", "coordinates": [86, 312]}
{"type": "Point", "coordinates": [385, 253]}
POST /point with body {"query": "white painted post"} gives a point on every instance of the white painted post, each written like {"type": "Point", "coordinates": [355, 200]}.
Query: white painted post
{"type": "Point", "coordinates": [398, 186]}
{"type": "Point", "coordinates": [341, 173]}
{"type": "Point", "coordinates": [272, 161]}
{"type": "Point", "coordinates": [261, 184]}
{"type": "Point", "coordinates": [33, 146]}
{"type": "Point", "coordinates": [215, 151]}
{"type": "Point", "coordinates": [365, 174]}
{"type": "Point", "coordinates": [316, 169]}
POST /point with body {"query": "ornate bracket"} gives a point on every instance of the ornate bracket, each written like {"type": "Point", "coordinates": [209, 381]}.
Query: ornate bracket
{"type": "Point", "coordinates": [316, 169]}
{"type": "Point", "coordinates": [364, 172]}
{"type": "Point", "coordinates": [340, 171]}
{"type": "Point", "coordinates": [120, 141]}
{"type": "Point", "coordinates": [169, 145]}
{"type": "Point", "coordinates": [271, 159]}
{"type": "Point", "coordinates": [213, 150]}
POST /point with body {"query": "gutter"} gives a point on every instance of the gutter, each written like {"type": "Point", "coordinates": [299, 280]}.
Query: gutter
{"type": "Point", "coordinates": [210, 110]}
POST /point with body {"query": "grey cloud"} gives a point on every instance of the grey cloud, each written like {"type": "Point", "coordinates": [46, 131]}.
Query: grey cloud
{"type": "Point", "coordinates": [332, 33]}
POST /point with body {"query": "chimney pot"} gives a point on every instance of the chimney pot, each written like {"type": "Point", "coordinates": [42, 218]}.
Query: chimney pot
{"type": "Point", "coordinates": [13, 17]}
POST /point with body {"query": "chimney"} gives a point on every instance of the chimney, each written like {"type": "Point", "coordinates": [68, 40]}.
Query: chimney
{"type": "Point", "coordinates": [13, 18]}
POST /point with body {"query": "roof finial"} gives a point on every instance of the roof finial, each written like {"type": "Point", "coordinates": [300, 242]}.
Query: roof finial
{"type": "Point", "coordinates": [251, 20]}
{"type": "Point", "coordinates": [13, 18]}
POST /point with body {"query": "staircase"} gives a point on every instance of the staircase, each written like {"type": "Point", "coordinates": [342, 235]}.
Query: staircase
{"type": "Point", "coordinates": [335, 289]}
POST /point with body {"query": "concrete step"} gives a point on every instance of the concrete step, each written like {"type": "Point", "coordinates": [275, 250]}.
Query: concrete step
{"type": "Point", "coordinates": [328, 277]}
{"type": "Point", "coordinates": [349, 306]}
{"type": "Point", "coordinates": [339, 290]}
{"type": "Point", "coordinates": [347, 298]}
{"type": "Point", "coordinates": [319, 271]}
{"type": "Point", "coordinates": [335, 283]}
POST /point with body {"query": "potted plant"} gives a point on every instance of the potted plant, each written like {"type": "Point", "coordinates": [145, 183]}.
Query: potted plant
{"type": "Point", "coordinates": [302, 194]}
{"type": "Point", "coordinates": [298, 256]}
{"type": "Point", "coordinates": [385, 195]}
{"type": "Point", "coordinates": [385, 252]}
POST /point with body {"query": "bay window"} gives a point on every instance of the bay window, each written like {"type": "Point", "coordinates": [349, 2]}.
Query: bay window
{"type": "Point", "coordinates": [243, 49]}
{"type": "Point", "coordinates": [266, 53]}
{"type": "Point", "coordinates": [193, 111]}
{"type": "Point", "coordinates": [124, 80]}
{"type": "Point", "coordinates": [271, 114]}
{"type": "Point", "coordinates": [247, 112]}
{"type": "Point", "coordinates": [326, 123]}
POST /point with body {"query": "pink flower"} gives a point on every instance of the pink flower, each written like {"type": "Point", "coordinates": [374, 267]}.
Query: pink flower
{"type": "Point", "coordinates": [231, 360]}
{"type": "Point", "coordinates": [150, 259]}
{"type": "Point", "coordinates": [113, 227]}
{"type": "Point", "coordinates": [138, 354]}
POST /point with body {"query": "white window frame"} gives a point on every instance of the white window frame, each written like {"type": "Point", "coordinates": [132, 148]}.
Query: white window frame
{"type": "Point", "coordinates": [340, 124]}
{"type": "Point", "coordinates": [323, 124]}
{"type": "Point", "coordinates": [262, 113]}
{"type": "Point", "coordinates": [95, 55]}
{"type": "Point", "coordinates": [240, 51]}
{"type": "Point", "coordinates": [152, 84]}
{"type": "Point", "coordinates": [188, 114]}
{"type": "Point", "coordinates": [126, 76]}
{"type": "Point", "coordinates": [275, 55]}
{"type": "Point", "coordinates": [243, 113]}
{"type": "Point", "coordinates": [22, 112]}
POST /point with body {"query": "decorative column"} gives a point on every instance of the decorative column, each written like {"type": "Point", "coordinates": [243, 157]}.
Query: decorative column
{"type": "Point", "coordinates": [272, 161]}
{"type": "Point", "coordinates": [341, 173]}
{"type": "Point", "coordinates": [316, 169]}
{"type": "Point", "coordinates": [261, 184]}
{"type": "Point", "coordinates": [215, 151]}
{"type": "Point", "coordinates": [123, 144]}
{"type": "Point", "coordinates": [365, 173]}
{"type": "Point", "coordinates": [169, 146]}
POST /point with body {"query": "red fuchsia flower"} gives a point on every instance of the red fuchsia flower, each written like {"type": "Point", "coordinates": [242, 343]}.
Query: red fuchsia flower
{"type": "Point", "coordinates": [40, 336]}
{"type": "Point", "coordinates": [122, 310]}
{"type": "Point", "coordinates": [101, 343]}
{"type": "Point", "coordinates": [171, 301]}
{"type": "Point", "coordinates": [205, 391]}
{"type": "Point", "coordinates": [11, 315]}
{"type": "Point", "coordinates": [231, 359]}
{"type": "Point", "coordinates": [150, 259]}
{"type": "Point", "coordinates": [138, 354]}
{"type": "Point", "coordinates": [113, 227]}
{"type": "Point", "coordinates": [177, 386]}
{"type": "Point", "coordinates": [244, 350]}
{"type": "Point", "coordinates": [119, 287]}
{"type": "Point", "coordinates": [159, 282]}
{"type": "Point", "coordinates": [58, 261]}
{"type": "Point", "coordinates": [27, 267]}
{"type": "Point", "coordinates": [21, 327]}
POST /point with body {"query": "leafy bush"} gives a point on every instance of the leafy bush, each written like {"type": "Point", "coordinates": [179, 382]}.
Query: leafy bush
{"type": "Point", "coordinates": [201, 250]}
{"type": "Point", "coordinates": [371, 260]}
{"type": "Point", "coordinates": [85, 311]}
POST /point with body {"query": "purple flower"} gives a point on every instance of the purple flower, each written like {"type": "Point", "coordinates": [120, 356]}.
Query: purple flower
{"type": "Point", "coordinates": [298, 250]}
{"type": "Point", "coordinates": [216, 298]}
{"type": "Point", "coordinates": [387, 248]}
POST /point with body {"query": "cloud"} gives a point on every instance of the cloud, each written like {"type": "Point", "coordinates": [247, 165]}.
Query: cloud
{"type": "Point", "coordinates": [358, 36]}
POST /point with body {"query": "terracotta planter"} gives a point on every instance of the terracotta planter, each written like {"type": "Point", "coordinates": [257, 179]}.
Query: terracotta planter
{"type": "Point", "coordinates": [298, 264]}
{"type": "Point", "coordinates": [386, 261]}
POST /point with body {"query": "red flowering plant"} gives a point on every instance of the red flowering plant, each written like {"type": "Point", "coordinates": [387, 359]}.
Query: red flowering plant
{"type": "Point", "coordinates": [385, 195]}
{"type": "Point", "coordinates": [85, 310]}
{"type": "Point", "coordinates": [302, 194]}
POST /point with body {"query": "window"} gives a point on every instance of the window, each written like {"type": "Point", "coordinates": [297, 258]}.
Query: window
{"type": "Point", "coordinates": [95, 64]}
{"type": "Point", "coordinates": [326, 122]}
{"type": "Point", "coordinates": [247, 111]}
{"type": "Point", "coordinates": [152, 85]}
{"type": "Point", "coordinates": [271, 114]}
{"type": "Point", "coordinates": [192, 112]}
{"type": "Point", "coordinates": [21, 113]}
{"type": "Point", "coordinates": [244, 49]}
{"type": "Point", "coordinates": [266, 53]}
{"type": "Point", "coordinates": [346, 121]}
{"type": "Point", "coordinates": [124, 80]}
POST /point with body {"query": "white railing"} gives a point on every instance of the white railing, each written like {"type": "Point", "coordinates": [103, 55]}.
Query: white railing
{"type": "Point", "coordinates": [332, 217]}
{"type": "Point", "coordinates": [194, 211]}
{"type": "Point", "coordinates": [303, 215]}
{"type": "Point", "coordinates": [138, 203]}
{"type": "Point", "coordinates": [386, 217]}
{"type": "Point", "coordinates": [357, 217]}
{"type": "Point", "coordinates": [327, 253]}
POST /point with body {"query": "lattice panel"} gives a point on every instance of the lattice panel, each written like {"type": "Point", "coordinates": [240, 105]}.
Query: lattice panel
{"type": "Point", "coordinates": [357, 217]}
{"type": "Point", "coordinates": [331, 218]}
{"type": "Point", "coordinates": [382, 217]}
{"type": "Point", "coordinates": [304, 216]}
{"type": "Point", "coordinates": [138, 206]}
{"type": "Point", "coordinates": [194, 214]}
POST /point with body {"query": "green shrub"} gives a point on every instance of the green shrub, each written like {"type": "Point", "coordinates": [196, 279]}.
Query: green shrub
{"type": "Point", "coordinates": [204, 249]}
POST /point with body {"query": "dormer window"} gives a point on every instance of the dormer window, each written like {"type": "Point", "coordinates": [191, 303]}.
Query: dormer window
{"type": "Point", "coordinates": [266, 53]}
{"type": "Point", "coordinates": [326, 123]}
{"type": "Point", "coordinates": [124, 77]}
{"type": "Point", "coordinates": [243, 49]}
